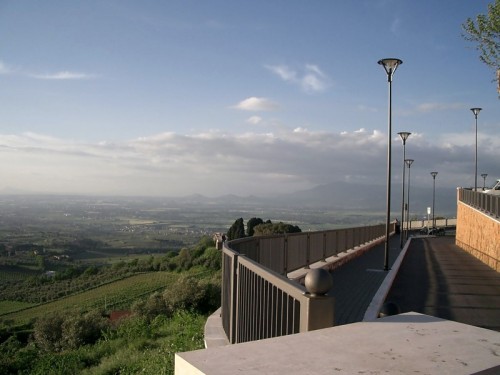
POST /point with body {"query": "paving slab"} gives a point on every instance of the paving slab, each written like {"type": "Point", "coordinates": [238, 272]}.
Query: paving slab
{"type": "Point", "coordinates": [438, 278]}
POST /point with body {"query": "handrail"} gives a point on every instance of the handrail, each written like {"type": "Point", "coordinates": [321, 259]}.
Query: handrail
{"type": "Point", "coordinates": [487, 203]}
{"type": "Point", "coordinates": [259, 301]}
{"type": "Point", "coordinates": [289, 252]}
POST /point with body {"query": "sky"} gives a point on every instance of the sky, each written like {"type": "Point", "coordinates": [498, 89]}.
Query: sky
{"type": "Point", "coordinates": [180, 97]}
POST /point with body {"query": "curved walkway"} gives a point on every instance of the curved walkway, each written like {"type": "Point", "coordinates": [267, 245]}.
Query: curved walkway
{"type": "Point", "coordinates": [430, 275]}
{"type": "Point", "coordinates": [440, 279]}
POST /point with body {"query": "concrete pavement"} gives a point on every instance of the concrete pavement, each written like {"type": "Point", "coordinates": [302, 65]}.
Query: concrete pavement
{"type": "Point", "coordinates": [440, 279]}
{"type": "Point", "coordinates": [435, 278]}
{"type": "Point", "coordinates": [356, 282]}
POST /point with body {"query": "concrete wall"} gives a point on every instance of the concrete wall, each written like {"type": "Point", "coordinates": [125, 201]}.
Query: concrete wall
{"type": "Point", "coordinates": [478, 234]}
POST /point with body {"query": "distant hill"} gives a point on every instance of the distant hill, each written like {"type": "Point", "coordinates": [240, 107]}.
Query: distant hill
{"type": "Point", "coordinates": [348, 196]}
{"type": "Point", "coordinates": [344, 195]}
{"type": "Point", "coordinates": [338, 195]}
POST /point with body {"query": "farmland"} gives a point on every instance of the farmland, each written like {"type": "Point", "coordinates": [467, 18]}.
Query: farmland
{"type": "Point", "coordinates": [69, 264]}
{"type": "Point", "coordinates": [115, 295]}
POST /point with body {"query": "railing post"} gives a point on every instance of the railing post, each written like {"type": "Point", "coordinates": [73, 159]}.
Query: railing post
{"type": "Point", "coordinates": [308, 251]}
{"type": "Point", "coordinates": [324, 247]}
{"type": "Point", "coordinates": [234, 300]}
{"type": "Point", "coordinates": [285, 255]}
{"type": "Point", "coordinates": [318, 311]}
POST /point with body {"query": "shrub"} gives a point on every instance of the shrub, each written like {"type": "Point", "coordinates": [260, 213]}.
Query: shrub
{"type": "Point", "coordinates": [211, 258]}
{"type": "Point", "coordinates": [48, 332]}
{"type": "Point", "coordinates": [55, 333]}
{"type": "Point", "coordinates": [184, 260]}
{"type": "Point", "coordinates": [155, 305]}
{"type": "Point", "coordinates": [78, 330]}
{"type": "Point", "coordinates": [190, 294]}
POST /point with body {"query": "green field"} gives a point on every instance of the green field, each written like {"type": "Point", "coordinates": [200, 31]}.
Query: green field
{"type": "Point", "coordinates": [7, 307]}
{"type": "Point", "coordinates": [113, 295]}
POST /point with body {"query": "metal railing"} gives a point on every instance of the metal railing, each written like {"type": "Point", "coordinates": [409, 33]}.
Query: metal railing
{"type": "Point", "coordinates": [440, 223]}
{"type": "Point", "coordinates": [259, 301]}
{"type": "Point", "coordinates": [487, 203]}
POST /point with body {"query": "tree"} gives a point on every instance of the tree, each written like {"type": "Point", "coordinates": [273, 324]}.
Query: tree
{"type": "Point", "coordinates": [485, 32]}
{"type": "Point", "coordinates": [252, 223]}
{"type": "Point", "coordinates": [78, 330]}
{"type": "Point", "coordinates": [278, 228]}
{"type": "Point", "coordinates": [237, 230]}
{"type": "Point", "coordinates": [40, 262]}
{"type": "Point", "coordinates": [48, 332]}
{"type": "Point", "coordinates": [55, 332]}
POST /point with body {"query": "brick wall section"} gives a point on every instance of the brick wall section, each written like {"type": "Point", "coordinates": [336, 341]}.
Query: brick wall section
{"type": "Point", "coordinates": [478, 234]}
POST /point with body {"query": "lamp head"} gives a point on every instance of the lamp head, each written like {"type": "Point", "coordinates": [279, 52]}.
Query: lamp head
{"type": "Point", "coordinates": [476, 111]}
{"type": "Point", "coordinates": [484, 175]}
{"type": "Point", "coordinates": [409, 162]}
{"type": "Point", "coordinates": [404, 136]}
{"type": "Point", "coordinates": [390, 65]}
{"type": "Point", "coordinates": [434, 174]}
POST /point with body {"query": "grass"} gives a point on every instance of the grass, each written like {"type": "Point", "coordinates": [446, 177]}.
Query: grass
{"type": "Point", "coordinates": [115, 294]}
{"type": "Point", "coordinates": [7, 307]}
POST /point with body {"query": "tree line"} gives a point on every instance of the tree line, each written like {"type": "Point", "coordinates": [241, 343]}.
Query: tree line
{"type": "Point", "coordinates": [258, 227]}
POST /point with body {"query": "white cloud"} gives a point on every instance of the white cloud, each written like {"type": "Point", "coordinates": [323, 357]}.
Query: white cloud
{"type": "Point", "coordinates": [5, 69]}
{"type": "Point", "coordinates": [364, 108]}
{"type": "Point", "coordinates": [216, 163]}
{"type": "Point", "coordinates": [256, 104]}
{"type": "Point", "coordinates": [436, 106]}
{"type": "Point", "coordinates": [310, 78]}
{"type": "Point", "coordinates": [61, 75]}
{"type": "Point", "coordinates": [64, 75]}
{"type": "Point", "coordinates": [395, 25]}
{"type": "Point", "coordinates": [284, 72]}
{"type": "Point", "coordinates": [254, 120]}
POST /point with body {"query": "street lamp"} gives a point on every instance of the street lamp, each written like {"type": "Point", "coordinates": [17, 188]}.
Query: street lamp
{"type": "Point", "coordinates": [433, 174]}
{"type": "Point", "coordinates": [390, 66]}
{"type": "Point", "coordinates": [476, 112]}
{"type": "Point", "coordinates": [404, 136]}
{"type": "Point", "coordinates": [408, 223]}
{"type": "Point", "coordinates": [484, 175]}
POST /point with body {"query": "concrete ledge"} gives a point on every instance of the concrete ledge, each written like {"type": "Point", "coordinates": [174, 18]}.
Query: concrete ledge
{"type": "Point", "coordinates": [214, 333]}
{"type": "Point", "coordinates": [378, 300]}
{"type": "Point", "coordinates": [401, 344]}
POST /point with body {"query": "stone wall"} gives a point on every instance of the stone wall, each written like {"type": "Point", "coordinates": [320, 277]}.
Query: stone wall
{"type": "Point", "coordinates": [478, 234]}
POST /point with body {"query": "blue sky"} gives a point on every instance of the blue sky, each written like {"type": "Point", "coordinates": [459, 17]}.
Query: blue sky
{"type": "Point", "coordinates": [247, 97]}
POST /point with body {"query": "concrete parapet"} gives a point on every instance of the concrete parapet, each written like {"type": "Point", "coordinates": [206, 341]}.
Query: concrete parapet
{"type": "Point", "coordinates": [406, 343]}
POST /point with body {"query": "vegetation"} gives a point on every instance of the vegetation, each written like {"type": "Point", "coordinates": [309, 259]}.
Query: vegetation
{"type": "Point", "coordinates": [275, 228]}
{"type": "Point", "coordinates": [165, 311]}
{"type": "Point", "coordinates": [257, 227]}
{"type": "Point", "coordinates": [485, 33]}
{"type": "Point", "coordinates": [237, 230]}
{"type": "Point", "coordinates": [252, 223]}
{"type": "Point", "coordinates": [101, 286]}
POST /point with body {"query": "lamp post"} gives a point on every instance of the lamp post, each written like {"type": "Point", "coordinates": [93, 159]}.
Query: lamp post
{"type": "Point", "coordinates": [433, 174]}
{"type": "Point", "coordinates": [408, 223]}
{"type": "Point", "coordinates": [476, 112]}
{"type": "Point", "coordinates": [390, 66]}
{"type": "Point", "coordinates": [404, 136]}
{"type": "Point", "coordinates": [484, 175]}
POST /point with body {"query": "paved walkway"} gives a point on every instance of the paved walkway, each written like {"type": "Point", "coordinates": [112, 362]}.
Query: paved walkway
{"type": "Point", "coordinates": [438, 278]}
{"type": "Point", "coordinates": [356, 282]}
{"type": "Point", "coordinates": [435, 278]}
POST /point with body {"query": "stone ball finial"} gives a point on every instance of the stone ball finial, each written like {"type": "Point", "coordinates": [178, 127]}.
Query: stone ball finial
{"type": "Point", "coordinates": [388, 309]}
{"type": "Point", "coordinates": [318, 282]}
